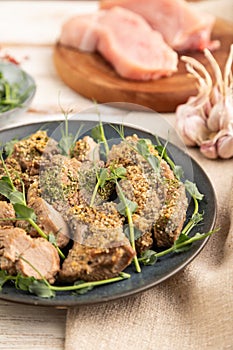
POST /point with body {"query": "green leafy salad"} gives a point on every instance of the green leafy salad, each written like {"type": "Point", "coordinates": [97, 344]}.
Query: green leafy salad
{"type": "Point", "coordinates": [12, 94]}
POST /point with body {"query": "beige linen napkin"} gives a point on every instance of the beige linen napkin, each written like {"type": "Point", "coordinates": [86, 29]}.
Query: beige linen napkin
{"type": "Point", "coordinates": [193, 310]}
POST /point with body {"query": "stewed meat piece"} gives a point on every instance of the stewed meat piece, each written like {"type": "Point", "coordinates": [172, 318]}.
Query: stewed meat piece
{"type": "Point", "coordinates": [59, 181]}
{"type": "Point", "coordinates": [92, 264]}
{"type": "Point", "coordinates": [86, 149]}
{"type": "Point", "coordinates": [43, 256]}
{"type": "Point", "coordinates": [100, 249]}
{"type": "Point", "coordinates": [6, 212]}
{"type": "Point", "coordinates": [28, 152]}
{"type": "Point", "coordinates": [13, 242]}
{"type": "Point", "coordinates": [19, 253]}
{"type": "Point", "coordinates": [160, 197]}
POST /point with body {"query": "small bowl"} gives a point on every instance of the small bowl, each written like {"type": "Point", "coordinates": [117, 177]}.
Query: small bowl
{"type": "Point", "coordinates": [26, 84]}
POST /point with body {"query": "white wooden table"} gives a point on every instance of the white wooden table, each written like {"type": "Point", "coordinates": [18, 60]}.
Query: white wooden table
{"type": "Point", "coordinates": [28, 31]}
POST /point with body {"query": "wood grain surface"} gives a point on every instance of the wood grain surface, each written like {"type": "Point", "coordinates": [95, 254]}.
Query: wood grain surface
{"type": "Point", "coordinates": [91, 76]}
{"type": "Point", "coordinates": [23, 327]}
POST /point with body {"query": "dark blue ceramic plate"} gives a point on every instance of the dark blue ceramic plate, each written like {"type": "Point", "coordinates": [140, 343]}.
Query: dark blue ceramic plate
{"type": "Point", "coordinates": [150, 275]}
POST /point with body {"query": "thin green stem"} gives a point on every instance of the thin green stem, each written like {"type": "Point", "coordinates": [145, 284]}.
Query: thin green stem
{"type": "Point", "coordinates": [180, 245]}
{"type": "Point", "coordinates": [131, 227]}
{"type": "Point", "coordinates": [94, 193]}
{"type": "Point", "coordinates": [37, 228]}
{"type": "Point", "coordinates": [103, 138]}
{"type": "Point", "coordinates": [191, 222]}
{"type": "Point", "coordinates": [90, 284]}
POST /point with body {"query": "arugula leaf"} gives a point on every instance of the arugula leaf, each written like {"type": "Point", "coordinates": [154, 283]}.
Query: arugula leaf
{"type": "Point", "coordinates": [9, 147]}
{"type": "Point", "coordinates": [3, 278]}
{"type": "Point", "coordinates": [5, 187]}
{"type": "Point", "coordinates": [103, 176]}
{"type": "Point", "coordinates": [137, 232]}
{"type": "Point", "coordinates": [41, 289]}
{"type": "Point", "coordinates": [82, 290]}
{"type": "Point", "coordinates": [118, 173]}
{"type": "Point", "coordinates": [52, 239]}
{"type": "Point", "coordinates": [154, 162]}
{"type": "Point", "coordinates": [193, 190]}
{"type": "Point", "coordinates": [10, 93]}
{"type": "Point", "coordinates": [125, 204]}
{"type": "Point", "coordinates": [23, 282]}
{"type": "Point", "coordinates": [22, 211]}
{"type": "Point", "coordinates": [178, 171]}
{"type": "Point", "coordinates": [195, 219]}
{"type": "Point", "coordinates": [66, 143]}
{"type": "Point", "coordinates": [178, 244]}
{"type": "Point", "coordinates": [142, 148]}
{"type": "Point", "coordinates": [17, 197]}
{"type": "Point", "coordinates": [148, 257]}
{"type": "Point", "coordinates": [8, 190]}
{"type": "Point", "coordinates": [98, 135]}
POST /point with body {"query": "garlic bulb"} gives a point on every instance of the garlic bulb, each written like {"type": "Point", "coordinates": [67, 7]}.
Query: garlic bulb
{"type": "Point", "coordinates": [206, 120]}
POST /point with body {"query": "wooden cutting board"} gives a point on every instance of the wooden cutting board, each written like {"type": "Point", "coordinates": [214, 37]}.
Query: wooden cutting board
{"type": "Point", "coordinates": [91, 76]}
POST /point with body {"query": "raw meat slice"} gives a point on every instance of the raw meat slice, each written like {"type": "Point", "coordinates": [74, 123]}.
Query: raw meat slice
{"type": "Point", "coordinates": [125, 39]}
{"type": "Point", "coordinates": [82, 32]}
{"type": "Point", "coordinates": [181, 26]}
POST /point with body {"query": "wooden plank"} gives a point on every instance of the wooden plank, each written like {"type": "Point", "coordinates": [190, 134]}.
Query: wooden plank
{"type": "Point", "coordinates": [27, 327]}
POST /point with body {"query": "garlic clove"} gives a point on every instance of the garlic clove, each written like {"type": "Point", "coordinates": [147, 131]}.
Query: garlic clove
{"type": "Point", "coordinates": [183, 112]}
{"type": "Point", "coordinates": [208, 149]}
{"type": "Point", "coordinates": [225, 146]}
{"type": "Point", "coordinates": [221, 115]}
{"type": "Point", "coordinates": [191, 125]}
{"type": "Point", "coordinates": [213, 121]}
{"type": "Point", "coordinates": [195, 129]}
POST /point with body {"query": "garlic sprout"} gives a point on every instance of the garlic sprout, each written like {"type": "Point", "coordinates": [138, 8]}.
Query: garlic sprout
{"type": "Point", "coordinates": [206, 120]}
{"type": "Point", "coordinates": [205, 83]}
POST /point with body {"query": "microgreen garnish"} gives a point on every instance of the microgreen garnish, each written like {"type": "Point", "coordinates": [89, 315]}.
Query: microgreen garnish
{"type": "Point", "coordinates": [127, 208]}
{"type": "Point", "coordinates": [182, 244]}
{"type": "Point", "coordinates": [137, 232]}
{"type": "Point", "coordinates": [67, 141]}
{"type": "Point", "coordinates": [98, 135]}
{"type": "Point", "coordinates": [162, 151]}
{"type": "Point", "coordinates": [193, 190]}
{"type": "Point", "coordinates": [107, 174]}
{"type": "Point", "coordinates": [42, 288]}
{"type": "Point", "coordinates": [9, 147]}
{"type": "Point", "coordinates": [142, 147]}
